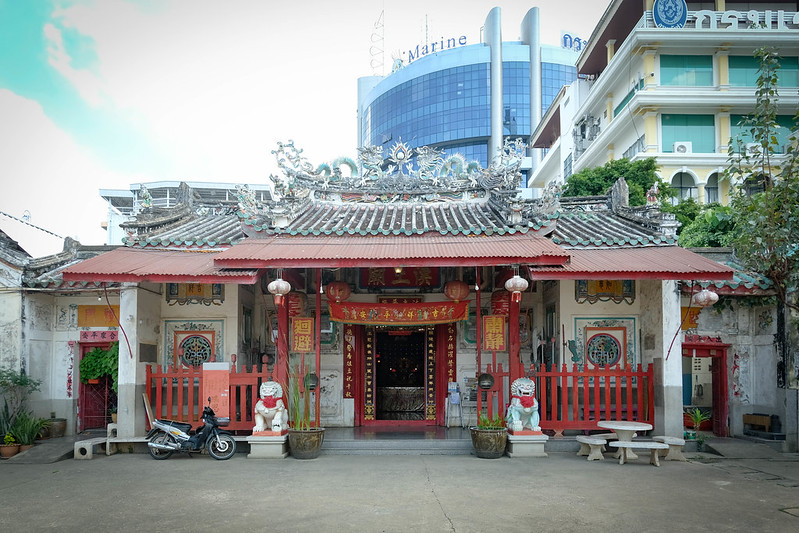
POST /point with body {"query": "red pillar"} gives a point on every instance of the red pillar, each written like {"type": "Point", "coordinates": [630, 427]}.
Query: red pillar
{"type": "Point", "coordinates": [514, 347]}
{"type": "Point", "coordinates": [282, 363]}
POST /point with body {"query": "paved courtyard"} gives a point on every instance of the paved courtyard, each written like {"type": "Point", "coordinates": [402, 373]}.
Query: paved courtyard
{"type": "Point", "coordinates": [564, 492]}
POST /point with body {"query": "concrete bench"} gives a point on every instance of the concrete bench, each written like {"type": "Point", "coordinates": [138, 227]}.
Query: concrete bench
{"type": "Point", "coordinates": [591, 446]}
{"type": "Point", "coordinates": [84, 449]}
{"type": "Point", "coordinates": [653, 447]}
{"type": "Point", "coordinates": [675, 447]}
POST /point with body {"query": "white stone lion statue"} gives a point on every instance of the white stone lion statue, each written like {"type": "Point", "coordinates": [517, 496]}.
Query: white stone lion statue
{"type": "Point", "coordinates": [270, 411]}
{"type": "Point", "coordinates": [523, 407]}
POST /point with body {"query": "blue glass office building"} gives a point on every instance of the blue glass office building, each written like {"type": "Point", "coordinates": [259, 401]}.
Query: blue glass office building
{"type": "Point", "coordinates": [467, 99]}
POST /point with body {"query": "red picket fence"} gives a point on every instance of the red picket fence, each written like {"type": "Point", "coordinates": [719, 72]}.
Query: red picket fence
{"type": "Point", "coordinates": [578, 399]}
{"type": "Point", "coordinates": [568, 398]}
{"type": "Point", "coordinates": [176, 394]}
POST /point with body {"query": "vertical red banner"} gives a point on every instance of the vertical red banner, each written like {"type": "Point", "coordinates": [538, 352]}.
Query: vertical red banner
{"type": "Point", "coordinates": [349, 361]}
{"type": "Point", "coordinates": [302, 334]}
{"type": "Point", "coordinates": [494, 333]}
{"type": "Point", "coordinates": [451, 354]}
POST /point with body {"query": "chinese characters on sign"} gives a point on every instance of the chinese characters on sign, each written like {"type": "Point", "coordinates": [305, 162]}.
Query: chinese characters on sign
{"type": "Point", "coordinates": [406, 278]}
{"type": "Point", "coordinates": [450, 353]}
{"type": "Point", "coordinates": [302, 334]}
{"type": "Point", "coordinates": [349, 361]}
{"type": "Point", "coordinates": [373, 314]}
{"type": "Point", "coordinates": [494, 333]}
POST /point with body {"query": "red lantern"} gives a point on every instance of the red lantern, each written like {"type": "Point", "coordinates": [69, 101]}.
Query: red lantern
{"type": "Point", "coordinates": [456, 290]}
{"type": "Point", "coordinates": [516, 285]}
{"type": "Point", "coordinates": [500, 303]}
{"type": "Point", "coordinates": [338, 291]}
{"type": "Point", "coordinates": [296, 302]}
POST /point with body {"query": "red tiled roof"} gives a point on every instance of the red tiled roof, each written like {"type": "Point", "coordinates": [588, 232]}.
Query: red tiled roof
{"type": "Point", "coordinates": [653, 262]}
{"type": "Point", "coordinates": [158, 266]}
{"type": "Point", "coordinates": [391, 250]}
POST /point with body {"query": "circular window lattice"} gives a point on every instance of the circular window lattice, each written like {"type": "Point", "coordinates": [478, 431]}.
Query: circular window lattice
{"type": "Point", "coordinates": [603, 350]}
{"type": "Point", "coordinates": [196, 350]}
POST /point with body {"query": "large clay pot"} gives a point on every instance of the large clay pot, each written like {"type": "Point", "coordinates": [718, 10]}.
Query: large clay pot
{"type": "Point", "coordinates": [489, 443]}
{"type": "Point", "coordinates": [306, 444]}
{"type": "Point", "coordinates": [58, 427]}
{"type": "Point", "coordinates": [8, 450]}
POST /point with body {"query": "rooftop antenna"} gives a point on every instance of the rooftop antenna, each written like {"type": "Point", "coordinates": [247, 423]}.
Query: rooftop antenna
{"type": "Point", "coordinates": [376, 50]}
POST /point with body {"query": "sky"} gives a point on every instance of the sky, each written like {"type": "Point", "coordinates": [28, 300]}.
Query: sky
{"type": "Point", "coordinates": [105, 93]}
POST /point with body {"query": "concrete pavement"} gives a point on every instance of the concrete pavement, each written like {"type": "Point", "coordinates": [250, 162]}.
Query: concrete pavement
{"type": "Point", "coordinates": [754, 491]}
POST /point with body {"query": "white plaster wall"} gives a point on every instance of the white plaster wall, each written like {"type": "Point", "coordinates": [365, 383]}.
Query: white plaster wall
{"type": "Point", "coordinates": [751, 358]}
{"type": "Point", "coordinates": [10, 330]}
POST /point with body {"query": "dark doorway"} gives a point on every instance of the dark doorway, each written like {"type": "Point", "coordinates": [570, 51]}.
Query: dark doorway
{"type": "Point", "coordinates": [96, 399]}
{"type": "Point", "coordinates": [400, 374]}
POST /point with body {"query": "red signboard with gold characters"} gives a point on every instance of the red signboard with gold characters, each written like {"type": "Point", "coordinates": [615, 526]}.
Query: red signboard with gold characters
{"type": "Point", "coordinates": [399, 278]}
{"type": "Point", "coordinates": [302, 334]}
{"type": "Point", "coordinates": [494, 333]}
{"type": "Point", "coordinates": [375, 314]}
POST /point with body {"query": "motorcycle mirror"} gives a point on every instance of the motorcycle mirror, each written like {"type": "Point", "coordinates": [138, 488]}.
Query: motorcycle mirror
{"type": "Point", "coordinates": [209, 400]}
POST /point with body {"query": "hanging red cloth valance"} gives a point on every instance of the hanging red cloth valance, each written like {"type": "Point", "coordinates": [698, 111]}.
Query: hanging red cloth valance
{"type": "Point", "coordinates": [381, 314]}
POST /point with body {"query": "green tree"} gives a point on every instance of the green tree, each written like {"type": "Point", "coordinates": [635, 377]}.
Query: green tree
{"type": "Point", "coordinates": [712, 227]}
{"type": "Point", "coordinates": [685, 212]}
{"type": "Point", "coordinates": [639, 175]}
{"type": "Point", "coordinates": [766, 207]}
{"type": "Point", "coordinates": [766, 201]}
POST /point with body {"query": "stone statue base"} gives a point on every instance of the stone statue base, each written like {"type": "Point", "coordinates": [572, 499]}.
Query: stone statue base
{"type": "Point", "coordinates": [526, 444]}
{"type": "Point", "coordinates": [269, 433]}
{"type": "Point", "coordinates": [268, 447]}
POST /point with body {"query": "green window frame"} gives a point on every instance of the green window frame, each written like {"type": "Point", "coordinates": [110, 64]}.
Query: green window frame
{"type": "Point", "coordinates": [743, 71]}
{"type": "Point", "coordinates": [686, 71]}
{"type": "Point", "coordinates": [700, 130]}
{"type": "Point", "coordinates": [785, 125]}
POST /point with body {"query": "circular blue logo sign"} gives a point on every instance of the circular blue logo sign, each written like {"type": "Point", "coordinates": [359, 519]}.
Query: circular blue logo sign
{"type": "Point", "coordinates": [670, 13]}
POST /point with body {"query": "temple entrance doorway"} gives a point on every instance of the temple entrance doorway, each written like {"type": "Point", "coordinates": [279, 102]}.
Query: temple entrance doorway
{"type": "Point", "coordinates": [400, 374]}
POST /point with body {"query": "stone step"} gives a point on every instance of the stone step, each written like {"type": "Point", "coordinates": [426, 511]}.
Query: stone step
{"type": "Point", "coordinates": [397, 447]}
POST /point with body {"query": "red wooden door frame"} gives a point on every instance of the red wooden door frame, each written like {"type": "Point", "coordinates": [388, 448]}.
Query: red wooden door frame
{"type": "Point", "coordinates": [699, 346]}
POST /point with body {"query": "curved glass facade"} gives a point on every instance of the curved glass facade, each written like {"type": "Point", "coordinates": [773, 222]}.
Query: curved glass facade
{"type": "Point", "coordinates": [450, 108]}
{"type": "Point", "coordinates": [441, 107]}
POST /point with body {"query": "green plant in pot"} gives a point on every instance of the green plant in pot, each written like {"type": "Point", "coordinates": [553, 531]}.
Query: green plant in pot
{"type": "Point", "coordinates": [489, 436]}
{"type": "Point", "coordinates": [697, 416]}
{"type": "Point", "coordinates": [27, 427]}
{"type": "Point", "coordinates": [101, 362]}
{"type": "Point", "coordinates": [10, 446]}
{"type": "Point", "coordinates": [305, 439]}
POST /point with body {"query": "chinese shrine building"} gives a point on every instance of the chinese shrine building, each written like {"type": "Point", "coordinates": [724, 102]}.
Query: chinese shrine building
{"type": "Point", "coordinates": [395, 282]}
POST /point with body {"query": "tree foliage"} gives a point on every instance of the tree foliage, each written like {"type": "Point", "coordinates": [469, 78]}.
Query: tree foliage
{"type": "Point", "coordinates": [639, 175]}
{"type": "Point", "coordinates": [766, 201]}
{"type": "Point", "coordinates": [712, 227]}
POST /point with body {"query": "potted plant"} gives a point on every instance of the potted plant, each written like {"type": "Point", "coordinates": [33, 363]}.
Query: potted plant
{"type": "Point", "coordinates": [113, 412]}
{"type": "Point", "coordinates": [99, 363]}
{"type": "Point", "coordinates": [489, 436]}
{"type": "Point", "coordinates": [10, 447]}
{"type": "Point", "coordinates": [697, 416]}
{"type": "Point", "coordinates": [305, 440]}
{"type": "Point", "coordinates": [26, 429]}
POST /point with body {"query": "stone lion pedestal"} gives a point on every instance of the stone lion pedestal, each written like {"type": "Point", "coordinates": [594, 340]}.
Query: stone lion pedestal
{"type": "Point", "coordinates": [526, 444]}
{"type": "Point", "coordinates": [268, 445]}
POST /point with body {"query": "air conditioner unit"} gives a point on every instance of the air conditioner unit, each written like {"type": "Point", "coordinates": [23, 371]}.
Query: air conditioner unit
{"type": "Point", "coordinates": [752, 148]}
{"type": "Point", "coordinates": [683, 147]}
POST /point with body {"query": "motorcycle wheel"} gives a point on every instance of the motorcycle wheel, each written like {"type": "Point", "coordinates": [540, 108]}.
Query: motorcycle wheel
{"type": "Point", "coordinates": [221, 448]}
{"type": "Point", "coordinates": [161, 438]}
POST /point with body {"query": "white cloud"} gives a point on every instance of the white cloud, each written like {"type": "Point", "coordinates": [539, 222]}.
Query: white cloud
{"type": "Point", "coordinates": [43, 170]}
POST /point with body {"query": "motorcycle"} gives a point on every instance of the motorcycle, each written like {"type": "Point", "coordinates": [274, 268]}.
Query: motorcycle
{"type": "Point", "coordinates": [170, 436]}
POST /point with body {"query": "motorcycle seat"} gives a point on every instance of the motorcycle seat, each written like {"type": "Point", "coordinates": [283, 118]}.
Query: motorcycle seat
{"type": "Point", "coordinates": [183, 426]}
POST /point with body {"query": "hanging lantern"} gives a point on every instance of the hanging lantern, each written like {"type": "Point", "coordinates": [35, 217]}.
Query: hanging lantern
{"type": "Point", "coordinates": [500, 303]}
{"type": "Point", "coordinates": [338, 291]}
{"type": "Point", "coordinates": [456, 290]}
{"type": "Point", "coordinates": [279, 288]}
{"type": "Point", "coordinates": [296, 303]}
{"type": "Point", "coordinates": [704, 298]}
{"type": "Point", "coordinates": [516, 285]}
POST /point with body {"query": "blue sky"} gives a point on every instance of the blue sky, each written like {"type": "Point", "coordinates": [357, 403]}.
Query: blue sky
{"type": "Point", "coordinates": [104, 93]}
